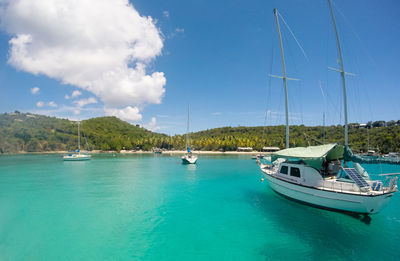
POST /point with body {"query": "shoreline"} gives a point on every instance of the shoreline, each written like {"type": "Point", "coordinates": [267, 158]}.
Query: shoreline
{"type": "Point", "coordinates": [167, 152]}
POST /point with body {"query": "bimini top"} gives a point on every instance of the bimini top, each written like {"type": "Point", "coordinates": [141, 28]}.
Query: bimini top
{"type": "Point", "coordinates": [313, 156]}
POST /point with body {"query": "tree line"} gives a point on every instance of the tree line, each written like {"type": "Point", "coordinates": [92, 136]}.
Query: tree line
{"type": "Point", "coordinates": [24, 132]}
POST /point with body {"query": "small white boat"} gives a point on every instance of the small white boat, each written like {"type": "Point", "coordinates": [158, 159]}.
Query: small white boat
{"type": "Point", "coordinates": [392, 155]}
{"type": "Point", "coordinates": [189, 157]}
{"type": "Point", "coordinates": [77, 156]}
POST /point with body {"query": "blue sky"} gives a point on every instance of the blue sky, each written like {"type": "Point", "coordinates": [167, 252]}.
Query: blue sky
{"type": "Point", "coordinates": [216, 55]}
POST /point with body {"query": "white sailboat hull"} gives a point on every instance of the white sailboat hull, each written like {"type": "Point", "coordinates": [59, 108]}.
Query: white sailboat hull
{"type": "Point", "coordinates": [77, 157]}
{"type": "Point", "coordinates": [357, 203]}
{"type": "Point", "coordinates": [186, 159]}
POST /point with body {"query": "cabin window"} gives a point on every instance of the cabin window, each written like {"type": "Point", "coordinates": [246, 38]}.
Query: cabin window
{"type": "Point", "coordinates": [295, 172]}
{"type": "Point", "coordinates": [284, 170]}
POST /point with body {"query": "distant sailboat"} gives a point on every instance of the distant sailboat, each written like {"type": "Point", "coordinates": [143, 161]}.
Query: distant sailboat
{"type": "Point", "coordinates": [189, 157]}
{"type": "Point", "coordinates": [77, 156]}
{"type": "Point", "coordinates": [315, 175]}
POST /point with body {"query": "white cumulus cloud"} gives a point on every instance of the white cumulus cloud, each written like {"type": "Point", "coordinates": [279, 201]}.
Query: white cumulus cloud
{"type": "Point", "coordinates": [83, 102]}
{"type": "Point", "coordinates": [35, 90]}
{"type": "Point", "coordinates": [128, 113]}
{"type": "Point", "coordinates": [101, 46]}
{"type": "Point", "coordinates": [52, 104]}
{"type": "Point", "coordinates": [39, 104]}
{"type": "Point", "coordinates": [74, 94]}
{"type": "Point", "coordinates": [152, 125]}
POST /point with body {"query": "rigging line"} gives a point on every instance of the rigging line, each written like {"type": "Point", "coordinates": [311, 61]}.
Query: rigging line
{"type": "Point", "coordinates": [323, 97]}
{"type": "Point", "coordinates": [354, 61]}
{"type": "Point", "coordinates": [312, 138]}
{"type": "Point", "coordinates": [268, 98]}
{"type": "Point", "coordinates": [291, 32]}
{"type": "Point", "coordinates": [322, 91]}
{"type": "Point", "coordinates": [87, 144]}
{"type": "Point", "coordinates": [355, 34]}
{"type": "Point", "coordinates": [362, 82]}
{"type": "Point", "coordinates": [305, 135]}
{"type": "Point", "coordinates": [290, 57]}
{"type": "Point", "coordinates": [299, 116]}
{"type": "Point", "coordinates": [295, 116]}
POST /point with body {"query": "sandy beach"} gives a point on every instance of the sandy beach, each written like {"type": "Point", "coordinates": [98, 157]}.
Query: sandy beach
{"type": "Point", "coordinates": [167, 152]}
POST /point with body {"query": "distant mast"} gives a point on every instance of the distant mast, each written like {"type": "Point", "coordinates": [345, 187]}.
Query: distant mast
{"type": "Point", "coordinates": [346, 128]}
{"type": "Point", "coordinates": [79, 138]}
{"type": "Point", "coordinates": [283, 77]}
{"type": "Point", "coordinates": [187, 130]}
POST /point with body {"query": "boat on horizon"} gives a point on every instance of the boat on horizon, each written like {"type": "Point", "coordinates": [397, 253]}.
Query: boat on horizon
{"type": "Point", "coordinates": [326, 176]}
{"type": "Point", "coordinates": [77, 156]}
{"type": "Point", "coordinates": [189, 157]}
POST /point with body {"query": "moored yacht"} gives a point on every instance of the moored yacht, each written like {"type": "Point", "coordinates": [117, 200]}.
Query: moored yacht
{"type": "Point", "coordinates": [189, 157]}
{"type": "Point", "coordinates": [314, 175]}
{"type": "Point", "coordinates": [326, 176]}
{"type": "Point", "coordinates": [78, 156]}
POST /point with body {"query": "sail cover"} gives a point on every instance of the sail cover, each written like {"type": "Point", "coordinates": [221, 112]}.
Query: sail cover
{"type": "Point", "coordinates": [313, 156]}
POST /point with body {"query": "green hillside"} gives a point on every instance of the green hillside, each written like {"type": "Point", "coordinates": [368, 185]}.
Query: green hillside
{"type": "Point", "coordinates": [24, 132]}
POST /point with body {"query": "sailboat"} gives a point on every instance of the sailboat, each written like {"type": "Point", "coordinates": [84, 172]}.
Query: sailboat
{"type": "Point", "coordinates": [77, 156]}
{"type": "Point", "coordinates": [189, 157]}
{"type": "Point", "coordinates": [327, 176]}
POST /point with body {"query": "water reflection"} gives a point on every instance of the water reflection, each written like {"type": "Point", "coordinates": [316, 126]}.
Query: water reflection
{"type": "Point", "coordinates": [191, 167]}
{"type": "Point", "coordinates": [322, 233]}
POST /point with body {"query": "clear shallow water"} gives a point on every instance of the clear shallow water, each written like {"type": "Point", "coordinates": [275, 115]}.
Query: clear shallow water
{"type": "Point", "coordinates": [154, 208]}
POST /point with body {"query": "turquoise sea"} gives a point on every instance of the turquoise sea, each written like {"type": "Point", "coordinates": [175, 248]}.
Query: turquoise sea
{"type": "Point", "coordinates": [148, 207]}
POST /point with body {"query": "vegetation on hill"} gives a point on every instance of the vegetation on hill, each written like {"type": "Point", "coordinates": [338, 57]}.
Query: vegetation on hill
{"type": "Point", "coordinates": [24, 132]}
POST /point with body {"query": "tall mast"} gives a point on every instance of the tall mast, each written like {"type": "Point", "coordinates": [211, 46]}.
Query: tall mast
{"type": "Point", "coordinates": [187, 130]}
{"type": "Point", "coordinates": [324, 133]}
{"type": "Point", "coordinates": [79, 138]}
{"type": "Point", "coordinates": [283, 77]}
{"type": "Point", "coordinates": [346, 128]}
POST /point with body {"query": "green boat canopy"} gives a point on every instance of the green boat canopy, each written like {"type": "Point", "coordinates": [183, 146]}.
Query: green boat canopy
{"type": "Point", "coordinates": [313, 156]}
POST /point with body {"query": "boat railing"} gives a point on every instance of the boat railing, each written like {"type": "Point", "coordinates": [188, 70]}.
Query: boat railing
{"type": "Point", "coordinates": [390, 184]}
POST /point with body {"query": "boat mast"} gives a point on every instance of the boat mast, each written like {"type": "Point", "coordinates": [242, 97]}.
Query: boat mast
{"type": "Point", "coordinates": [346, 128]}
{"type": "Point", "coordinates": [187, 130]}
{"type": "Point", "coordinates": [283, 77]}
{"type": "Point", "coordinates": [79, 138]}
{"type": "Point", "coordinates": [324, 133]}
